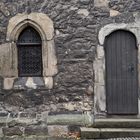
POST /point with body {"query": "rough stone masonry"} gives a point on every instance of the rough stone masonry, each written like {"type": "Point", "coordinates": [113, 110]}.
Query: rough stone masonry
{"type": "Point", "coordinates": [29, 113]}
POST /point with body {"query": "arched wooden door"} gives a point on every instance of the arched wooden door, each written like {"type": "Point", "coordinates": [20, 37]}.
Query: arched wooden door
{"type": "Point", "coordinates": [121, 73]}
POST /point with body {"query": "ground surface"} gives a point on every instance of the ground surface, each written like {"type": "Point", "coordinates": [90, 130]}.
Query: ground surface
{"type": "Point", "coordinates": [117, 139]}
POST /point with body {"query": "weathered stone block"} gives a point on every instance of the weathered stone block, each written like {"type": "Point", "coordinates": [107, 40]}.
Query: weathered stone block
{"type": "Point", "coordinates": [1, 132]}
{"type": "Point", "coordinates": [100, 100]}
{"type": "Point", "coordinates": [36, 130]}
{"type": "Point", "coordinates": [57, 130]}
{"type": "Point", "coordinates": [70, 119]}
{"type": "Point", "coordinates": [30, 83]}
{"type": "Point", "coordinates": [48, 82]}
{"type": "Point", "coordinates": [89, 133]}
{"type": "Point", "coordinates": [7, 62]}
{"type": "Point", "coordinates": [12, 138]}
{"type": "Point", "coordinates": [100, 52]}
{"type": "Point", "coordinates": [3, 113]}
{"type": "Point", "coordinates": [114, 13]}
{"type": "Point", "coordinates": [84, 12]}
{"type": "Point", "coordinates": [36, 138]}
{"type": "Point", "coordinates": [101, 77]}
{"type": "Point", "coordinates": [12, 123]}
{"type": "Point", "coordinates": [8, 83]}
{"type": "Point", "coordinates": [12, 131]}
{"type": "Point", "coordinates": [100, 3]}
{"type": "Point", "coordinates": [85, 1]}
{"type": "Point", "coordinates": [27, 115]}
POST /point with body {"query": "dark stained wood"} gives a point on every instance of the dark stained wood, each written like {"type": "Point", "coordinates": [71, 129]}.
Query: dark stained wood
{"type": "Point", "coordinates": [121, 73]}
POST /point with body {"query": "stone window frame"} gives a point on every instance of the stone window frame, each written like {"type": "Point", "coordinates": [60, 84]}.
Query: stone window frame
{"type": "Point", "coordinates": [44, 26]}
{"type": "Point", "coordinates": [99, 64]}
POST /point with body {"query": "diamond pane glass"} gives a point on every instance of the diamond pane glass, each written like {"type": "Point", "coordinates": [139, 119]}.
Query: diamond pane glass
{"type": "Point", "coordinates": [29, 53]}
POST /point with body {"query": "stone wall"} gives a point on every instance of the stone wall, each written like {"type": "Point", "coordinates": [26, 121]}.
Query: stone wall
{"type": "Point", "coordinates": [70, 102]}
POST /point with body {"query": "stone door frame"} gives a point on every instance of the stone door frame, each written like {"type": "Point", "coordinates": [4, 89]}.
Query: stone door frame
{"type": "Point", "coordinates": [99, 64]}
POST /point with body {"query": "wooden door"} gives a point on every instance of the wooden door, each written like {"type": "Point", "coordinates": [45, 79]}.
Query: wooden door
{"type": "Point", "coordinates": [121, 73]}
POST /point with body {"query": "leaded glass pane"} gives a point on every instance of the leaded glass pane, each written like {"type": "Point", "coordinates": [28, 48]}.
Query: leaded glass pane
{"type": "Point", "coordinates": [29, 53]}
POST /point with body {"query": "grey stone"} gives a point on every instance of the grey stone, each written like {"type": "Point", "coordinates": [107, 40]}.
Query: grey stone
{"type": "Point", "coordinates": [117, 123]}
{"type": "Point", "coordinates": [122, 132]}
{"type": "Point", "coordinates": [12, 131]}
{"type": "Point", "coordinates": [39, 81]}
{"type": "Point", "coordinates": [89, 133]}
{"type": "Point", "coordinates": [3, 114]}
{"type": "Point", "coordinates": [20, 82]}
{"type": "Point", "coordinates": [70, 119]}
{"type": "Point", "coordinates": [8, 83]}
{"type": "Point", "coordinates": [12, 123]}
{"type": "Point", "coordinates": [104, 133]}
{"type": "Point", "coordinates": [83, 12]}
{"type": "Point", "coordinates": [114, 13]}
{"type": "Point", "coordinates": [85, 1]}
{"type": "Point", "coordinates": [100, 3]}
{"type": "Point", "coordinates": [57, 130]}
{"type": "Point", "coordinates": [36, 130]}
{"type": "Point", "coordinates": [77, 24]}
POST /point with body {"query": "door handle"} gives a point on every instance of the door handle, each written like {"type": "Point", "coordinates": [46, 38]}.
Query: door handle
{"type": "Point", "coordinates": [131, 68]}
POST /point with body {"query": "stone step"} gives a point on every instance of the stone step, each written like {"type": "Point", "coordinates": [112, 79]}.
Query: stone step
{"type": "Point", "coordinates": [102, 133]}
{"type": "Point", "coordinates": [116, 123]}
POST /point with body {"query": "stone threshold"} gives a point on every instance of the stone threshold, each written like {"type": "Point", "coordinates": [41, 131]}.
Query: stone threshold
{"type": "Point", "coordinates": [104, 133]}
{"type": "Point", "coordinates": [117, 123]}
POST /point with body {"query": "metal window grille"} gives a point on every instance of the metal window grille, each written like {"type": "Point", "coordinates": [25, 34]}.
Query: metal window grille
{"type": "Point", "coordinates": [29, 53]}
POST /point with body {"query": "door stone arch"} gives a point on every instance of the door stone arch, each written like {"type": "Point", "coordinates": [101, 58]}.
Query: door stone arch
{"type": "Point", "coordinates": [99, 64]}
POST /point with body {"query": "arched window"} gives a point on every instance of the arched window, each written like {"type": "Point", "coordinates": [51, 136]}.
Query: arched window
{"type": "Point", "coordinates": [29, 53]}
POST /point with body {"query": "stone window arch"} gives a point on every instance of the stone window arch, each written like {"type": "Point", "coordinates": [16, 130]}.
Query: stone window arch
{"type": "Point", "coordinates": [44, 26]}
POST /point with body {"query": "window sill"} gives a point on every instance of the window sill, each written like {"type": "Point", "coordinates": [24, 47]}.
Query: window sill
{"type": "Point", "coordinates": [24, 83]}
